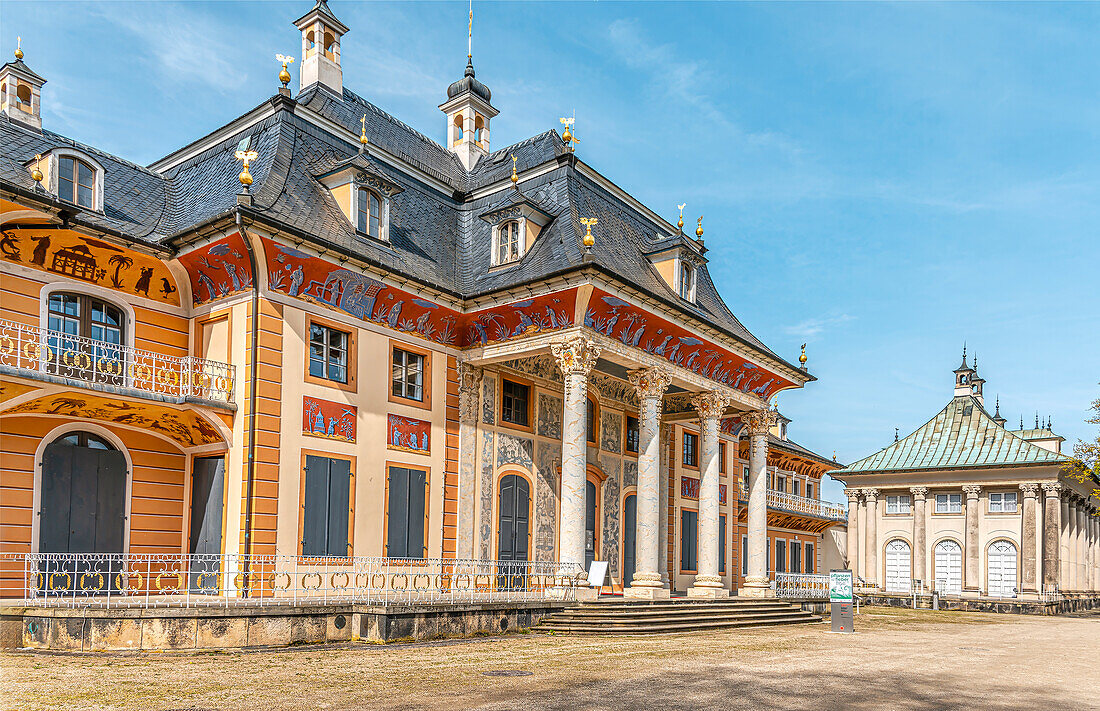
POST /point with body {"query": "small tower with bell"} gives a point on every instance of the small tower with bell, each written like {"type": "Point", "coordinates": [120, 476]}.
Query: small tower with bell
{"type": "Point", "coordinates": [963, 374]}
{"type": "Point", "coordinates": [977, 384]}
{"type": "Point", "coordinates": [321, 33]}
{"type": "Point", "coordinates": [21, 91]}
{"type": "Point", "coordinates": [468, 112]}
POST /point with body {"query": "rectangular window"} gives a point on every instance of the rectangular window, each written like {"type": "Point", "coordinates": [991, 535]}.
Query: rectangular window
{"type": "Point", "coordinates": [515, 399]}
{"type": "Point", "coordinates": [691, 454]}
{"type": "Point", "coordinates": [722, 545]}
{"type": "Point", "coordinates": [768, 555]}
{"type": "Point", "coordinates": [721, 457]}
{"type": "Point", "coordinates": [745, 479]}
{"type": "Point", "coordinates": [948, 503]}
{"type": "Point", "coordinates": [809, 490]}
{"type": "Point", "coordinates": [781, 484]}
{"type": "Point", "coordinates": [780, 555]}
{"type": "Point", "coordinates": [406, 492]}
{"type": "Point", "coordinates": [1002, 502]}
{"type": "Point", "coordinates": [810, 560]}
{"type": "Point", "coordinates": [689, 532]}
{"type": "Point", "coordinates": [328, 353]}
{"type": "Point", "coordinates": [590, 424]}
{"type": "Point", "coordinates": [897, 504]}
{"type": "Point", "coordinates": [796, 557]}
{"type": "Point", "coordinates": [744, 555]}
{"type": "Point", "coordinates": [408, 375]}
{"type": "Point", "coordinates": [326, 507]}
{"type": "Point", "coordinates": [633, 434]}
{"type": "Point", "coordinates": [796, 487]}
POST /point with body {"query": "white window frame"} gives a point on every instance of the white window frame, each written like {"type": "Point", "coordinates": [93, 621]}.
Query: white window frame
{"type": "Point", "coordinates": [693, 279]}
{"type": "Point", "coordinates": [952, 503]}
{"type": "Point", "coordinates": [999, 502]}
{"type": "Point", "coordinates": [899, 504]}
{"type": "Point", "coordinates": [55, 157]}
{"type": "Point", "coordinates": [521, 247]}
{"type": "Point", "coordinates": [384, 225]}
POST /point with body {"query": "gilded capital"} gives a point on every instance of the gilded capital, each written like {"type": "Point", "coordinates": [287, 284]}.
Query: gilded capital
{"type": "Point", "coordinates": [972, 491]}
{"type": "Point", "coordinates": [576, 356]}
{"type": "Point", "coordinates": [758, 422]}
{"type": "Point", "coordinates": [918, 492]}
{"type": "Point", "coordinates": [1030, 489]}
{"type": "Point", "coordinates": [650, 382]}
{"type": "Point", "coordinates": [469, 392]}
{"type": "Point", "coordinates": [711, 404]}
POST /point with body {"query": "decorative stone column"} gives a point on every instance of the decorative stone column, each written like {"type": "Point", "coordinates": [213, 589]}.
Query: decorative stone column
{"type": "Point", "coordinates": [575, 357]}
{"type": "Point", "coordinates": [708, 583]}
{"type": "Point", "coordinates": [920, 545]}
{"type": "Point", "coordinates": [972, 559]}
{"type": "Point", "coordinates": [469, 403]}
{"type": "Point", "coordinates": [853, 531]}
{"type": "Point", "coordinates": [662, 493]}
{"type": "Point", "coordinates": [757, 583]}
{"type": "Point", "coordinates": [1080, 569]}
{"type": "Point", "coordinates": [861, 542]}
{"type": "Point", "coordinates": [1095, 549]}
{"type": "Point", "coordinates": [1065, 579]}
{"type": "Point", "coordinates": [1052, 527]}
{"type": "Point", "coordinates": [1029, 525]}
{"type": "Point", "coordinates": [650, 385]}
{"type": "Point", "coordinates": [870, 572]}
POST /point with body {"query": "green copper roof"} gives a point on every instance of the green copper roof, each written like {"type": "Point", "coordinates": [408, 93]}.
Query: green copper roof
{"type": "Point", "coordinates": [962, 435]}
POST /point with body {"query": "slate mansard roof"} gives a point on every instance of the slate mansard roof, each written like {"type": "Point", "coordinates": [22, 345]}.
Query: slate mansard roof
{"type": "Point", "coordinates": [962, 435]}
{"type": "Point", "coordinates": [435, 234]}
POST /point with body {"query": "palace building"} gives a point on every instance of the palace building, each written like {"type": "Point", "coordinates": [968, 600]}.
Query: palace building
{"type": "Point", "coordinates": [968, 508]}
{"type": "Point", "coordinates": [319, 333]}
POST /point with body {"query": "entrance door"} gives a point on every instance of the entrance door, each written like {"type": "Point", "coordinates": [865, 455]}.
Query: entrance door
{"type": "Point", "coordinates": [1002, 569]}
{"type": "Point", "coordinates": [83, 511]}
{"type": "Point", "coordinates": [513, 527]}
{"type": "Point", "coordinates": [630, 541]}
{"type": "Point", "coordinates": [898, 571]}
{"type": "Point", "coordinates": [207, 488]}
{"type": "Point", "coordinates": [949, 567]}
{"type": "Point", "coordinates": [589, 524]}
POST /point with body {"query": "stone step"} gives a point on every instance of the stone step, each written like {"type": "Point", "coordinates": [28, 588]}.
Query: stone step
{"type": "Point", "coordinates": [667, 616]}
{"type": "Point", "coordinates": [677, 620]}
{"type": "Point", "coordinates": [670, 628]}
{"type": "Point", "coordinates": [583, 613]}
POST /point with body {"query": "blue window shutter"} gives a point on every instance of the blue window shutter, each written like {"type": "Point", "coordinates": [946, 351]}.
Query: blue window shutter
{"type": "Point", "coordinates": [339, 485]}
{"type": "Point", "coordinates": [397, 538]}
{"type": "Point", "coordinates": [315, 516]}
{"type": "Point", "coordinates": [417, 485]}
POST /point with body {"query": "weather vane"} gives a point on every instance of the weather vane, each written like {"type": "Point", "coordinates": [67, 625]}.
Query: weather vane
{"type": "Point", "coordinates": [589, 240]}
{"type": "Point", "coordinates": [699, 227]}
{"type": "Point", "coordinates": [470, 36]}
{"type": "Point", "coordinates": [515, 178]}
{"type": "Point", "coordinates": [567, 136]}
{"type": "Point", "coordinates": [802, 357]}
{"type": "Point", "coordinates": [680, 223]}
{"type": "Point", "coordinates": [247, 157]}
{"type": "Point", "coordinates": [284, 75]}
{"type": "Point", "coordinates": [363, 134]}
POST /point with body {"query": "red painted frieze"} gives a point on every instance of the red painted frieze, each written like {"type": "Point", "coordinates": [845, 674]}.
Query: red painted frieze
{"type": "Point", "coordinates": [408, 434]}
{"type": "Point", "coordinates": [689, 489]}
{"type": "Point", "coordinates": [636, 327]}
{"type": "Point", "coordinates": [332, 420]}
{"type": "Point", "coordinates": [218, 270]}
{"type": "Point", "coordinates": [731, 426]}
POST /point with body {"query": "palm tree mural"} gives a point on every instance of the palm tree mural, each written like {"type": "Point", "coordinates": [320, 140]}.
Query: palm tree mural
{"type": "Point", "coordinates": [119, 262]}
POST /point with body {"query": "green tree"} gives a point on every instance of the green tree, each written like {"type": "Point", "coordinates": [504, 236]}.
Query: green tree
{"type": "Point", "coordinates": [1085, 465]}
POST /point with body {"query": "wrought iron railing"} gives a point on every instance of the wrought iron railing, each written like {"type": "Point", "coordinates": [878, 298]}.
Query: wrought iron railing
{"type": "Point", "coordinates": [39, 350]}
{"type": "Point", "coordinates": [812, 586]}
{"type": "Point", "coordinates": [178, 580]}
{"type": "Point", "coordinates": [783, 501]}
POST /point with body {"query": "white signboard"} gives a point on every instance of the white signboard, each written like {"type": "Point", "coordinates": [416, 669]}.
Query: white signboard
{"type": "Point", "coordinates": [840, 586]}
{"type": "Point", "coordinates": [597, 573]}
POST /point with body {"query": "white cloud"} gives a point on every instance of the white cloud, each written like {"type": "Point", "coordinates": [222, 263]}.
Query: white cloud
{"type": "Point", "coordinates": [814, 326]}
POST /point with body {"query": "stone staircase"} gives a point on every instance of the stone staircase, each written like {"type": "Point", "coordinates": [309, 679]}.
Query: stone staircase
{"type": "Point", "coordinates": [641, 617]}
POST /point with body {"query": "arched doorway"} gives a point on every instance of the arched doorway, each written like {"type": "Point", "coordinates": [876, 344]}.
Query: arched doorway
{"type": "Point", "coordinates": [898, 570]}
{"type": "Point", "coordinates": [513, 527]}
{"type": "Point", "coordinates": [949, 567]}
{"type": "Point", "coordinates": [1002, 569]}
{"type": "Point", "coordinates": [590, 492]}
{"type": "Point", "coordinates": [630, 522]}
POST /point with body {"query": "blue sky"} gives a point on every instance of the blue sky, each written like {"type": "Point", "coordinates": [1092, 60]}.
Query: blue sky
{"type": "Point", "coordinates": [882, 182]}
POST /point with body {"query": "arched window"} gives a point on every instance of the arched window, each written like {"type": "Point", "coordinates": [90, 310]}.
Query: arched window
{"type": "Point", "coordinates": [23, 95]}
{"type": "Point", "coordinates": [330, 41]}
{"type": "Point", "coordinates": [458, 127]}
{"type": "Point", "coordinates": [370, 213]}
{"type": "Point", "coordinates": [479, 128]}
{"type": "Point", "coordinates": [687, 281]}
{"type": "Point", "coordinates": [86, 338]}
{"type": "Point", "coordinates": [312, 44]}
{"type": "Point", "coordinates": [76, 181]}
{"type": "Point", "coordinates": [86, 439]}
{"type": "Point", "coordinates": [508, 247]}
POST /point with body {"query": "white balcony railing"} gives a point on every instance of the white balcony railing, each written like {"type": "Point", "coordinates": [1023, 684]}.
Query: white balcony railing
{"type": "Point", "coordinates": [814, 586]}
{"type": "Point", "coordinates": [782, 501]}
{"type": "Point", "coordinates": [107, 366]}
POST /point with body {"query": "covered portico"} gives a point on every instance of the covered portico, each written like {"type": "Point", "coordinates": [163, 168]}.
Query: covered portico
{"type": "Point", "coordinates": [662, 392]}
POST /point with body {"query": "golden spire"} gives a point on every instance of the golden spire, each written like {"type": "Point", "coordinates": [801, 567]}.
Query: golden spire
{"type": "Point", "coordinates": [589, 240]}
{"type": "Point", "coordinates": [247, 157]}
{"type": "Point", "coordinates": [680, 222]}
{"type": "Point", "coordinates": [699, 227]}
{"type": "Point", "coordinates": [18, 47]}
{"type": "Point", "coordinates": [363, 134]}
{"type": "Point", "coordinates": [470, 35]}
{"type": "Point", "coordinates": [802, 358]}
{"type": "Point", "coordinates": [515, 178]}
{"type": "Point", "coordinates": [284, 75]}
{"type": "Point", "coordinates": [36, 174]}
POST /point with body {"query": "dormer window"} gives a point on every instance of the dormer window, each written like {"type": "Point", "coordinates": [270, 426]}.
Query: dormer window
{"type": "Point", "coordinates": [509, 242]}
{"type": "Point", "coordinates": [370, 213]}
{"type": "Point", "coordinates": [76, 182]}
{"type": "Point", "coordinates": [687, 281]}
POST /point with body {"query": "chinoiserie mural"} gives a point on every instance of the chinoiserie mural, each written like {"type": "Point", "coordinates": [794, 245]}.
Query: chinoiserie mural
{"type": "Point", "coordinates": [91, 260]}
{"type": "Point", "coordinates": [218, 269]}
{"type": "Point", "coordinates": [186, 427]}
{"type": "Point", "coordinates": [304, 276]}
{"type": "Point", "coordinates": [731, 426]}
{"type": "Point", "coordinates": [332, 420]}
{"type": "Point", "coordinates": [689, 489]}
{"type": "Point", "coordinates": [633, 326]}
{"type": "Point", "coordinates": [10, 390]}
{"type": "Point", "coordinates": [408, 434]}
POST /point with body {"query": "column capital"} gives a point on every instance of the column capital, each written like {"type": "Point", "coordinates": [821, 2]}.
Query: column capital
{"type": "Point", "coordinates": [852, 494]}
{"type": "Point", "coordinates": [711, 404]}
{"type": "Point", "coordinates": [972, 491]}
{"type": "Point", "coordinates": [1030, 489]}
{"type": "Point", "coordinates": [576, 356]}
{"type": "Point", "coordinates": [469, 392]}
{"type": "Point", "coordinates": [918, 492]}
{"type": "Point", "coordinates": [1052, 489]}
{"type": "Point", "coordinates": [758, 422]}
{"type": "Point", "coordinates": [871, 495]}
{"type": "Point", "coordinates": [650, 382]}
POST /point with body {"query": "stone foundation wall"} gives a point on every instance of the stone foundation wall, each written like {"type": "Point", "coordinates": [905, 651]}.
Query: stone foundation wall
{"type": "Point", "coordinates": [1070, 603]}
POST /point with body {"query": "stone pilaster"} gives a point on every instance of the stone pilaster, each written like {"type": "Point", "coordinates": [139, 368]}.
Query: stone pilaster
{"type": "Point", "coordinates": [870, 572]}
{"type": "Point", "coordinates": [469, 404]}
{"type": "Point", "coordinates": [920, 535]}
{"type": "Point", "coordinates": [662, 494]}
{"type": "Point", "coordinates": [708, 583]}
{"type": "Point", "coordinates": [1080, 569]}
{"type": "Point", "coordinates": [1052, 527]}
{"type": "Point", "coordinates": [971, 554]}
{"type": "Point", "coordinates": [650, 385]}
{"type": "Point", "coordinates": [1029, 527]}
{"type": "Point", "coordinates": [1065, 578]}
{"type": "Point", "coordinates": [575, 358]}
{"type": "Point", "coordinates": [757, 583]}
{"type": "Point", "coordinates": [852, 554]}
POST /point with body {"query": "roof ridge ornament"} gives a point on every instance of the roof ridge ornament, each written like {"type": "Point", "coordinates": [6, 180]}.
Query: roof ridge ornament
{"type": "Point", "coordinates": [568, 136]}
{"type": "Point", "coordinates": [363, 135]}
{"type": "Point", "coordinates": [284, 75]}
{"type": "Point", "coordinates": [589, 240]}
{"type": "Point", "coordinates": [680, 222]}
{"type": "Point", "coordinates": [514, 178]}
{"type": "Point", "coordinates": [802, 357]}
{"type": "Point", "coordinates": [19, 48]}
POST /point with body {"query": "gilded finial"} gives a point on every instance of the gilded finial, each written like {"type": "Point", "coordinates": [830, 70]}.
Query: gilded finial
{"type": "Point", "coordinates": [363, 134]}
{"type": "Point", "coordinates": [589, 240]}
{"type": "Point", "coordinates": [246, 157]}
{"type": "Point", "coordinates": [18, 47]}
{"type": "Point", "coordinates": [680, 222]}
{"type": "Point", "coordinates": [802, 358]}
{"type": "Point", "coordinates": [699, 227]}
{"type": "Point", "coordinates": [36, 173]}
{"type": "Point", "coordinates": [515, 178]}
{"type": "Point", "coordinates": [284, 75]}
{"type": "Point", "coordinates": [567, 136]}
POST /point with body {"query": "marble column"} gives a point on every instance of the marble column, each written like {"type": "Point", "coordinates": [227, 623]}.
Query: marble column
{"type": "Point", "coordinates": [972, 578]}
{"type": "Point", "coordinates": [920, 535]}
{"type": "Point", "coordinates": [662, 538]}
{"type": "Point", "coordinates": [469, 405]}
{"type": "Point", "coordinates": [1095, 519]}
{"type": "Point", "coordinates": [1065, 579]}
{"type": "Point", "coordinates": [870, 568]}
{"type": "Point", "coordinates": [708, 583]}
{"type": "Point", "coordinates": [852, 553]}
{"type": "Point", "coordinates": [1079, 546]}
{"type": "Point", "coordinates": [650, 385]}
{"type": "Point", "coordinates": [757, 583]}
{"type": "Point", "coordinates": [861, 542]}
{"type": "Point", "coordinates": [1029, 526]}
{"type": "Point", "coordinates": [1052, 525]}
{"type": "Point", "coordinates": [575, 358]}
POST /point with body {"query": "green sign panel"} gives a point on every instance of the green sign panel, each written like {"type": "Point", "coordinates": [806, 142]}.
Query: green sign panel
{"type": "Point", "coordinates": [840, 585]}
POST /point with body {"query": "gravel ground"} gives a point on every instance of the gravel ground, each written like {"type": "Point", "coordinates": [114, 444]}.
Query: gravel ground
{"type": "Point", "coordinates": [898, 659]}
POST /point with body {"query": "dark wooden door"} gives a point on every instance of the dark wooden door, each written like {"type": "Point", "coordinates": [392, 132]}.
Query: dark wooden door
{"type": "Point", "coordinates": [513, 526]}
{"type": "Point", "coordinates": [630, 522]}
{"type": "Point", "coordinates": [207, 491]}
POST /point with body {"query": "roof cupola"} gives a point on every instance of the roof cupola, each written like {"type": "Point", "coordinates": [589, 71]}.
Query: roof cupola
{"type": "Point", "coordinates": [976, 384]}
{"type": "Point", "coordinates": [21, 91]}
{"type": "Point", "coordinates": [963, 375]}
{"type": "Point", "coordinates": [468, 112]}
{"type": "Point", "coordinates": [321, 33]}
